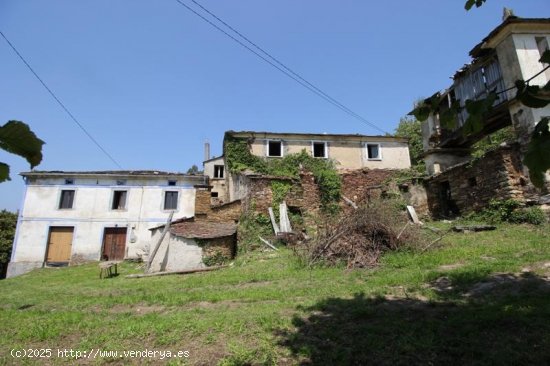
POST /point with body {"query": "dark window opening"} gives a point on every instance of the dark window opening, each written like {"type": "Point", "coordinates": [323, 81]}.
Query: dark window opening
{"type": "Point", "coordinates": [274, 148]}
{"type": "Point", "coordinates": [67, 199]}
{"type": "Point", "coordinates": [373, 151]}
{"type": "Point", "coordinates": [172, 182]}
{"type": "Point", "coordinates": [319, 150]}
{"type": "Point", "coordinates": [214, 194]}
{"type": "Point", "coordinates": [119, 200]}
{"type": "Point", "coordinates": [170, 200]}
{"type": "Point", "coordinates": [218, 171]}
{"type": "Point", "coordinates": [472, 181]}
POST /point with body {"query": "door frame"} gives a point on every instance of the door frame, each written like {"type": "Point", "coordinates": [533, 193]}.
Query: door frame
{"type": "Point", "coordinates": [49, 231]}
{"type": "Point", "coordinates": [105, 228]}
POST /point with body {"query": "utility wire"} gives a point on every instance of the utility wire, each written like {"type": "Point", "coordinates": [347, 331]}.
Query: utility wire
{"type": "Point", "coordinates": [277, 64]}
{"type": "Point", "coordinates": [61, 103]}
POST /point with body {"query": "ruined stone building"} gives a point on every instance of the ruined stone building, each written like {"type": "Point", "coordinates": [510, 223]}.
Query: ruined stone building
{"type": "Point", "coordinates": [458, 184]}
{"type": "Point", "coordinates": [363, 163]}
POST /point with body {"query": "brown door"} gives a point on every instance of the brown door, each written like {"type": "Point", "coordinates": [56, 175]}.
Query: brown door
{"type": "Point", "coordinates": [60, 241]}
{"type": "Point", "coordinates": [114, 244]}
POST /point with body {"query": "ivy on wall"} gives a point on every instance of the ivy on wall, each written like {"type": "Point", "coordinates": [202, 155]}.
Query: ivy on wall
{"type": "Point", "coordinates": [239, 158]}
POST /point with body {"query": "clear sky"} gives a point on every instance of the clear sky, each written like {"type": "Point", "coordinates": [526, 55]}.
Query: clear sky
{"type": "Point", "coordinates": [151, 81]}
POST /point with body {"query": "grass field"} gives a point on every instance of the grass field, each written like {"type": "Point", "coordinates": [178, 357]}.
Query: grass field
{"type": "Point", "coordinates": [478, 298]}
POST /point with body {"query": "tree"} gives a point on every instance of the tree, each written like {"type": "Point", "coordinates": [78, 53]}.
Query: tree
{"type": "Point", "coordinates": [194, 170]}
{"type": "Point", "coordinates": [412, 129]}
{"type": "Point", "coordinates": [17, 138]}
{"type": "Point", "coordinates": [8, 221]}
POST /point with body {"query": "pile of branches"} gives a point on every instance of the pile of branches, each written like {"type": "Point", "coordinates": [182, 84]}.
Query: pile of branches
{"type": "Point", "coordinates": [360, 238]}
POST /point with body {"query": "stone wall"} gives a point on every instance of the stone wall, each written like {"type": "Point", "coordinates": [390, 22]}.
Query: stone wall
{"type": "Point", "coordinates": [359, 184]}
{"type": "Point", "coordinates": [225, 245]}
{"type": "Point", "coordinates": [228, 212]}
{"type": "Point", "coordinates": [470, 186]}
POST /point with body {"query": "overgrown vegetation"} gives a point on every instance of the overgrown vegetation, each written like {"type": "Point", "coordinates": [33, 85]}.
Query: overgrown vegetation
{"type": "Point", "coordinates": [8, 222]}
{"type": "Point", "coordinates": [239, 158]}
{"type": "Point", "coordinates": [493, 141]}
{"type": "Point", "coordinates": [359, 238]}
{"type": "Point", "coordinates": [251, 226]}
{"type": "Point", "coordinates": [511, 211]}
{"type": "Point", "coordinates": [411, 128]}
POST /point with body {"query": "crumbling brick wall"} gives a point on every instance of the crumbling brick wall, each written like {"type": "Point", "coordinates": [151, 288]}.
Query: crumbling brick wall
{"type": "Point", "coordinates": [470, 186]}
{"type": "Point", "coordinates": [359, 184]}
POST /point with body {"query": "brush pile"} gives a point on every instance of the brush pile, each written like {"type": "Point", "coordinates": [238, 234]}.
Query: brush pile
{"type": "Point", "coordinates": [359, 238]}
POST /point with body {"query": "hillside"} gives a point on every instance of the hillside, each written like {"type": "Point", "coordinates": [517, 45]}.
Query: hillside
{"type": "Point", "coordinates": [478, 298]}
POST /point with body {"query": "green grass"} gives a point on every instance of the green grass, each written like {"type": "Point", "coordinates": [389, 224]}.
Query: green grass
{"type": "Point", "coordinates": [267, 309]}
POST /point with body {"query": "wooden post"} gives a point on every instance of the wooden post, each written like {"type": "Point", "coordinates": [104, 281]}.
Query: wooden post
{"type": "Point", "coordinates": [164, 231]}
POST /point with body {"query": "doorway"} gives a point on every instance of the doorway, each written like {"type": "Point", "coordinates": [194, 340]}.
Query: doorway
{"type": "Point", "coordinates": [114, 244]}
{"type": "Point", "coordinates": [60, 242]}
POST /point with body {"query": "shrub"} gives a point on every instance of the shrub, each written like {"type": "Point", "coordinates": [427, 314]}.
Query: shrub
{"type": "Point", "coordinates": [531, 215]}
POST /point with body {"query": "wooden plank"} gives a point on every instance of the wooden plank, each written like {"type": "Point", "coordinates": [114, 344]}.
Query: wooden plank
{"type": "Point", "coordinates": [267, 243]}
{"type": "Point", "coordinates": [273, 221]}
{"type": "Point", "coordinates": [164, 231]}
{"type": "Point", "coordinates": [413, 215]}
{"type": "Point", "coordinates": [350, 202]}
{"type": "Point", "coordinates": [283, 217]}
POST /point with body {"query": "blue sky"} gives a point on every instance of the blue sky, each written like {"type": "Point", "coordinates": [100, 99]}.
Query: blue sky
{"type": "Point", "coordinates": [151, 81]}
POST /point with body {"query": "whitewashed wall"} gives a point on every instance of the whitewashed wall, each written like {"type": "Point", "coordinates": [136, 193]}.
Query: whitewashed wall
{"type": "Point", "coordinates": [91, 214]}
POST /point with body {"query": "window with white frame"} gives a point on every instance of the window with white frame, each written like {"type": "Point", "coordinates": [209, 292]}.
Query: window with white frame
{"type": "Point", "coordinates": [67, 199]}
{"type": "Point", "coordinates": [275, 148]}
{"type": "Point", "coordinates": [319, 149]}
{"type": "Point", "coordinates": [171, 200]}
{"type": "Point", "coordinates": [373, 151]}
{"type": "Point", "coordinates": [218, 171]}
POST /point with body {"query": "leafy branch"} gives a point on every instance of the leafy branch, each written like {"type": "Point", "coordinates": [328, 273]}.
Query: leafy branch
{"type": "Point", "coordinates": [17, 138]}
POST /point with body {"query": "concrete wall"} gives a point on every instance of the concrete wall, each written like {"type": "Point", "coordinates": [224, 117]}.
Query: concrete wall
{"type": "Point", "coordinates": [175, 253]}
{"type": "Point", "coordinates": [91, 214]}
{"type": "Point", "coordinates": [347, 154]}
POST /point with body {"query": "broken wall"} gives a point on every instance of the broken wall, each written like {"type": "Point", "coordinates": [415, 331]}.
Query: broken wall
{"type": "Point", "coordinates": [470, 186]}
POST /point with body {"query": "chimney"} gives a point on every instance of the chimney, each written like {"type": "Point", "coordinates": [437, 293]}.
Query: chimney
{"type": "Point", "coordinates": [206, 150]}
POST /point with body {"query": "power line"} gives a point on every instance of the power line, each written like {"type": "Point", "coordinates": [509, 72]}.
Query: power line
{"type": "Point", "coordinates": [60, 103]}
{"type": "Point", "coordinates": [277, 64]}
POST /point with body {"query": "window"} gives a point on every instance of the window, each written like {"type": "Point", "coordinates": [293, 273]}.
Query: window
{"type": "Point", "coordinates": [218, 171]}
{"type": "Point", "coordinates": [170, 200]}
{"type": "Point", "coordinates": [373, 152]}
{"type": "Point", "coordinates": [274, 148]}
{"type": "Point", "coordinates": [69, 181]}
{"type": "Point", "coordinates": [172, 182]}
{"type": "Point", "coordinates": [319, 149]}
{"type": "Point", "coordinates": [214, 194]}
{"type": "Point", "coordinates": [119, 200]}
{"type": "Point", "coordinates": [66, 200]}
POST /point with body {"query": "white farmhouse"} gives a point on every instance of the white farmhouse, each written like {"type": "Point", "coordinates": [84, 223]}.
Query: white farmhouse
{"type": "Point", "coordinates": [74, 216]}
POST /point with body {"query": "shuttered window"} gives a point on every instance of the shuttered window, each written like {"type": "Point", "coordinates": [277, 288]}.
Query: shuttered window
{"type": "Point", "coordinates": [66, 200]}
{"type": "Point", "coordinates": [170, 200]}
{"type": "Point", "coordinates": [119, 200]}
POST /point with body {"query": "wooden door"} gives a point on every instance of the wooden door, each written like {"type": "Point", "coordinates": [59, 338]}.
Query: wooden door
{"type": "Point", "coordinates": [60, 241]}
{"type": "Point", "coordinates": [114, 244]}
